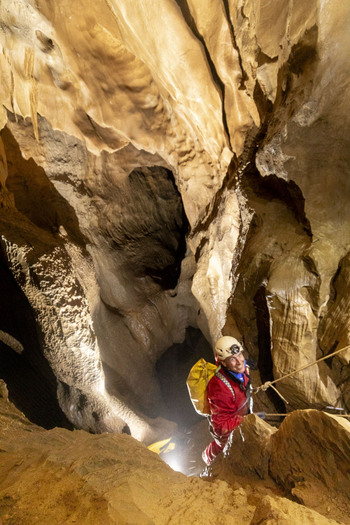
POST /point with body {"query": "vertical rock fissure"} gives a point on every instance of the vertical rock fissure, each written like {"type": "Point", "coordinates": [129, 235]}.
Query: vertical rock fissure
{"type": "Point", "coordinates": [232, 31]}
{"type": "Point", "coordinates": [186, 13]}
{"type": "Point", "coordinates": [265, 363]}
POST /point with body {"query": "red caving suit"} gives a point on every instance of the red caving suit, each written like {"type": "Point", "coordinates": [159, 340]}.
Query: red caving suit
{"type": "Point", "coordinates": [227, 410]}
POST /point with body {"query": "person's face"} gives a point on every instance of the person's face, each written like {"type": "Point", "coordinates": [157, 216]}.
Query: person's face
{"type": "Point", "coordinates": [235, 363]}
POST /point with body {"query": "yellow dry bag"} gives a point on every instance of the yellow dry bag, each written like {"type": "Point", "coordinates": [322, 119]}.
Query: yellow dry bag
{"type": "Point", "coordinates": [197, 380]}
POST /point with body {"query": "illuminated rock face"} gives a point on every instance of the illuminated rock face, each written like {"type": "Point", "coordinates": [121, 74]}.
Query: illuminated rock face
{"type": "Point", "coordinates": [308, 457]}
{"type": "Point", "coordinates": [59, 477]}
{"type": "Point", "coordinates": [174, 164]}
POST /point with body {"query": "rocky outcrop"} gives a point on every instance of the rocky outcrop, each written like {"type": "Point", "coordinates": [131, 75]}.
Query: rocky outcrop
{"type": "Point", "coordinates": [310, 459]}
{"type": "Point", "coordinates": [59, 476]}
{"type": "Point", "coordinates": [308, 456]}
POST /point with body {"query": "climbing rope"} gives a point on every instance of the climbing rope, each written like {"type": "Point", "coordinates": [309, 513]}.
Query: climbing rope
{"type": "Point", "coordinates": [268, 384]}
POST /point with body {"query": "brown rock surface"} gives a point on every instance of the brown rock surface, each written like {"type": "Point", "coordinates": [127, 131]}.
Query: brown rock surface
{"type": "Point", "coordinates": [308, 457]}
{"type": "Point", "coordinates": [58, 476]}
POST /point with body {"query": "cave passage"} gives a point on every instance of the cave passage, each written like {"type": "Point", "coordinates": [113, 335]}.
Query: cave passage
{"type": "Point", "coordinates": [148, 227]}
{"type": "Point", "coordinates": [172, 370]}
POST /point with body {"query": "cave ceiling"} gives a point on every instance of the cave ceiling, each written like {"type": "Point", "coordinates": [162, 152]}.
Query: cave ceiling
{"type": "Point", "coordinates": [174, 165]}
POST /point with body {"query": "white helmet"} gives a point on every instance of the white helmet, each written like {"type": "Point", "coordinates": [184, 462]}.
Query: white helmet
{"type": "Point", "coordinates": [227, 346]}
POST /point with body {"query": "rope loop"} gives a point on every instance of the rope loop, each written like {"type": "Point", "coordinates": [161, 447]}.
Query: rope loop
{"type": "Point", "coordinates": [263, 387]}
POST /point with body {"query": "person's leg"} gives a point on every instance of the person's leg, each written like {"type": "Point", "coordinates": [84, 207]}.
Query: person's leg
{"type": "Point", "coordinates": [213, 449]}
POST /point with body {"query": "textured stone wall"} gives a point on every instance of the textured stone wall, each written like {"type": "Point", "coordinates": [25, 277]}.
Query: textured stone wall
{"type": "Point", "coordinates": [172, 164]}
{"type": "Point", "coordinates": [59, 477]}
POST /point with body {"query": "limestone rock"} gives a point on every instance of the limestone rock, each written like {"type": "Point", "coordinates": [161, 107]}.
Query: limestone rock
{"type": "Point", "coordinates": [58, 476]}
{"type": "Point", "coordinates": [308, 456]}
{"type": "Point", "coordinates": [247, 452]}
{"type": "Point", "coordinates": [300, 152]}
{"type": "Point", "coordinates": [275, 512]}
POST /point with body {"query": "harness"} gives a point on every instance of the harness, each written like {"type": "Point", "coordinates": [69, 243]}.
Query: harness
{"type": "Point", "coordinates": [247, 388]}
{"type": "Point", "coordinates": [227, 383]}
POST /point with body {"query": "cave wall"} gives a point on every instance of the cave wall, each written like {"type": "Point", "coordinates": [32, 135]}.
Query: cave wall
{"type": "Point", "coordinates": [163, 165]}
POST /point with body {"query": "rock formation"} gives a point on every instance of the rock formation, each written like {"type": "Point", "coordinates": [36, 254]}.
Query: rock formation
{"type": "Point", "coordinates": [166, 165]}
{"type": "Point", "coordinates": [308, 457]}
{"type": "Point", "coordinates": [57, 476]}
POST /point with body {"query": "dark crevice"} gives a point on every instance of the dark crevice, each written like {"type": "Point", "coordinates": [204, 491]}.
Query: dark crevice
{"type": "Point", "coordinates": [233, 36]}
{"type": "Point", "coordinates": [265, 59]}
{"type": "Point", "coordinates": [272, 187]}
{"type": "Point", "coordinates": [47, 45]}
{"type": "Point", "coordinates": [255, 137]}
{"type": "Point", "coordinates": [200, 247]}
{"type": "Point", "coordinates": [111, 308]}
{"type": "Point", "coordinates": [150, 235]}
{"type": "Point", "coordinates": [82, 402]}
{"type": "Point", "coordinates": [265, 363]}
{"type": "Point", "coordinates": [126, 430]}
{"type": "Point", "coordinates": [265, 109]}
{"type": "Point", "coordinates": [186, 13]}
{"type": "Point", "coordinates": [313, 292]}
{"type": "Point", "coordinates": [30, 381]}
{"type": "Point", "coordinates": [334, 283]}
{"type": "Point", "coordinates": [304, 53]}
{"type": "Point", "coordinates": [172, 369]}
{"type": "Point", "coordinates": [168, 276]}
